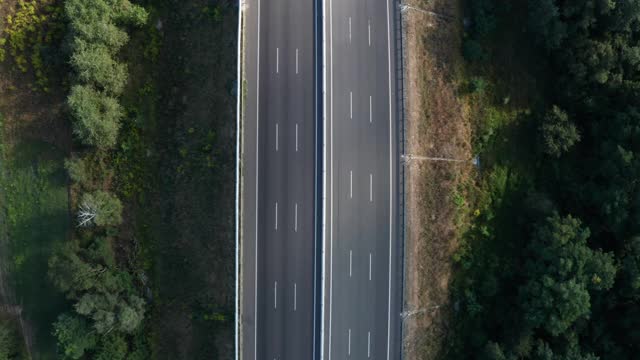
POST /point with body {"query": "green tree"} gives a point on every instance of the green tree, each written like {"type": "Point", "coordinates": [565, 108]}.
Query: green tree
{"type": "Point", "coordinates": [111, 311]}
{"type": "Point", "coordinates": [71, 274]}
{"type": "Point", "coordinates": [100, 208]}
{"type": "Point", "coordinates": [112, 347]}
{"type": "Point", "coordinates": [96, 20]}
{"type": "Point", "coordinates": [95, 65]}
{"type": "Point", "coordinates": [74, 336]}
{"type": "Point", "coordinates": [558, 133]}
{"type": "Point", "coordinates": [561, 271]}
{"type": "Point", "coordinates": [545, 23]}
{"type": "Point", "coordinates": [493, 351]}
{"type": "Point", "coordinates": [96, 116]}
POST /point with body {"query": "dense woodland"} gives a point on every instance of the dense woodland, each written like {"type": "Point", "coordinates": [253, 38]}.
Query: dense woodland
{"type": "Point", "coordinates": [552, 267]}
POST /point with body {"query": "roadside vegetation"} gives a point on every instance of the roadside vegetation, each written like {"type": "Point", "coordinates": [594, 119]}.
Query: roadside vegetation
{"type": "Point", "coordinates": [117, 179]}
{"type": "Point", "coordinates": [549, 265]}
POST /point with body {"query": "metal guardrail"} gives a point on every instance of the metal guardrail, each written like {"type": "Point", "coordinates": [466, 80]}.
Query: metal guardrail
{"type": "Point", "coordinates": [238, 201]}
{"type": "Point", "coordinates": [402, 141]}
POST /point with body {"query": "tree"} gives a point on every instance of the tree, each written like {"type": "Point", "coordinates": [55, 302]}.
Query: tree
{"type": "Point", "coordinates": [111, 311]}
{"type": "Point", "coordinates": [74, 336]}
{"type": "Point", "coordinates": [71, 274]}
{"type": "Point", "coordinates": [545, 23]}
{"type": "Point", "coordinates": [493, 351]}
{"type": "Point", "coordinates": [561, 271]}
{"type": "Point", "coordinates": [97, 116]}
{"type": "Point", "coordinates": [96, 20]}
{"type": "Point", "coordinates": [558, 133]}
{"type": "Point", "coordinates": [99, 208]}
{"type": "Point", "coordinates": [95, 65]}
{"type": "Point", "coordinates": [112, 347]}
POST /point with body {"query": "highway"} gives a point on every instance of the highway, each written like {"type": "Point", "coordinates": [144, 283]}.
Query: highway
{"type": "Point", "coordinates": [362, 251]}
{"type": "Point", "coordinates": [278, 186]}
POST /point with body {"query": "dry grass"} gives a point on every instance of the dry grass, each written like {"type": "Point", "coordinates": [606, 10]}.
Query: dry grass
{"type": "Point", "coordinates": [438, 125]}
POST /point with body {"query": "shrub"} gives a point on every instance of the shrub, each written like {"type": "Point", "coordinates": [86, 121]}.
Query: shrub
{"type": "Point", "coordinates": [558, 133]}
{"type": "Point", "coordinates": [77, 169]}
{"type": "Point", "coordinates": [473, 51]}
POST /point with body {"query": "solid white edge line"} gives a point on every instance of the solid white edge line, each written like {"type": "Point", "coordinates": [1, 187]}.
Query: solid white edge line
{"type": "Point", "coordinates": [239, 63]}
{"type": "Point", "coordinates": [324, 183]}
{"type": "Point", "coordinates": [315, 186]}
{"type": "Point", "coordinates": [390, 181]}
{"type": "Point", "coordinates": [255, 339]}
{"type": "Point", "coordinates": [332, 176]}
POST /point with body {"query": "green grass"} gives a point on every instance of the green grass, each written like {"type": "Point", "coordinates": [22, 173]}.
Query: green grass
{"type": "Point", "coordinates": [37, 216]}
{"type": "Point", "coordinates": [175, 172]}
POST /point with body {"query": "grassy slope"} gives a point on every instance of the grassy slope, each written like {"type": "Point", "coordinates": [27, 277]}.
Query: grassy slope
{"type": "Point", "coordinates": [176, 172]}
{"type": "Point", "coordinates": [35, 191]}
{"type": "Point", "coordinates": [34, 207]}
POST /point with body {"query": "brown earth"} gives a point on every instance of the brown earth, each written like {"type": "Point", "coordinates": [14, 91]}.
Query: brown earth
{"type": "Point", "coordinates": [437, 126]}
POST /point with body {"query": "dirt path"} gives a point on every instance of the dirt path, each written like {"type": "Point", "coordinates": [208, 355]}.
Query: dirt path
{"type": "Point", "coordinates": [437, 126]}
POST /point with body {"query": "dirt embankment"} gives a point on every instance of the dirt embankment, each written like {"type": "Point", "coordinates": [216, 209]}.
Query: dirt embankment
{"type": "Point", "coordinates": [437, 126]}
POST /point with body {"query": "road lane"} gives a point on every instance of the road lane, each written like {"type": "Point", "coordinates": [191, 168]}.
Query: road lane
{"type": "Point", "coordinates": [362, 316]}
{"type": "Point", "coordinates": [278, 168]}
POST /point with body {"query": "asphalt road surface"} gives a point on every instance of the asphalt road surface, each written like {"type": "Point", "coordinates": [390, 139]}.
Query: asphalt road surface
{"type": "Point", "coordinates": [279, 182]}
{"type": "Point", "coordinates": [362, 286]}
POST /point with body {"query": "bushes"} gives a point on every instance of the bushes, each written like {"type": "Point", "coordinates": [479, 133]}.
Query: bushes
{"type": "Point", "coordinates": [31, 32]}
{"type": "Point", "coordinates": [10, 348]}
{"type": "Point", "coordinates": [77, 169]}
